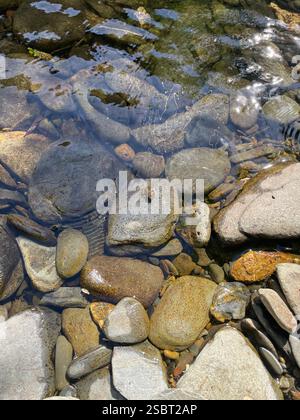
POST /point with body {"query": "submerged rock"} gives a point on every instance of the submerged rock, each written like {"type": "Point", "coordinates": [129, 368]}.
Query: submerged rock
{"type": "Point", "coordinates": [229, 369]}
{"type": "Point", "coordinates": [147, 165]}
{"type": "Point", "coordinates": [182, 313]}
{"type": "Point", "coordinates": [267, 208]}
{"type": "Point", "coordinates": [80, 330]}
{"type": "Point", "coordinates": [74, 168]}
{"type": "Point", "coordinates": [282, 109]}
{"type": "Point", "coordinates": [27, 341]}
{"type": "Point", "coordinates": [127, 323]}
{"type": "Point", "coordinates": [32, 229]}
{"type": "Point", "coordinates": [204, 131]}
{"type": "Point", "coordinates": [138, 371]}
{"type": "Point", "coordinates": [17, 143]}
{"type": "Point", "coordinates": [65, 297]}
{"type": "Point", "coordinates": [63, 358]}
{"type": "Point", "coordinates": [50, 26]}
{"type": "Point", "coordinates": [11, 268]}
{"type": "Point", "coordinates": [169, 137]}
{"type": "Point", "coordinates": [212, 166]}
{"type": "Point", "coordinates": [15, 111]}
{"type": "Point", "coordinates": [144, 231]}
{"type": "Point", "coordinates": [112, 279]}
{"type": "Point", "coordinates": [71, 253]}
{"type": "Point", "coordinates": [40, 265]}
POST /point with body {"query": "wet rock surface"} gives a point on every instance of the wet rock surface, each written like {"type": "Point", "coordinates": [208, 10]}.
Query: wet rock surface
{"type": "Point", "coordinates": [229, 369]}
{"type": "Point", "coordinates": [172, 91]}
{"type": "Point", "coordinates": [40, 265]}
{"type": "Point", "coordinates": [138, 371]}
{"type": "Point", "coordinates": [209, 165]}
{"type": "Point", "coordinates": [74, 169]}
{"type": "Point", "coordinates": [267, 208]}
{"type": "Point", "coordinates": [182, 314]}
{"type": "Point", "coordinates": [230, 302]}
{"type": "Point", "coordinates": [11, 270]}
{"type": "Point", "coordinates": [80, 330]}
{"type": "Point", "coordinates": [115, 278]}
{"type": "Point", "coordinates": [127, 323]}
{"type": "Point", "coordinates": [27, 341]}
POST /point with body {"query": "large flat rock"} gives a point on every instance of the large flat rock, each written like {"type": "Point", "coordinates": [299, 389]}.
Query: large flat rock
{"type": "Point", "coordinates": [267, 208]}
{"type": "Point", "coordinates": [230, 369]}
{"type": "Point", "coordinates": [27, 341]}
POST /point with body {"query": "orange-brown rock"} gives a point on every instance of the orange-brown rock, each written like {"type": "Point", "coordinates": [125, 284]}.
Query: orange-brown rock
{"type": "Point", "coordinates": [111, 279]}
{"type": "Point", "coordinates": [256, 266]}
{"type": "Point", "coordinates": [125, 152]}
{"type": "Point", "coordinates": [100, 311]}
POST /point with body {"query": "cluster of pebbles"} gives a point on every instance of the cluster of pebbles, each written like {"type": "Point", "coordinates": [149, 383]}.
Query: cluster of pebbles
{"type": "Point", "coordinates": [145, 307]}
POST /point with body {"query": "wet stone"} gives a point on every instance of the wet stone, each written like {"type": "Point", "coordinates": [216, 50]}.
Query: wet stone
{"type": "Point", "coordinates": [267, 208]}
{"type": "Point", "coordinates": [40, 265]}
{"type": "Point", "coordinates": [97, 387]}
{"type": "Point", "coordinates": [253, 331]}
{"type": "Point", "coordinates": [49, 31]}
{"type": "Point", "coordinates": [182, 314]}
{"type": "Point", "coordinates": [63, 358]}
{"type": "Point", "coordinates": [229, 369]}
{"type": "Point", "coordinates": [278, 309]}
{"type": "Point", "coordinates": [11, 269]}
{"type": "Point", "coordinates": [127, 323]}
{"type": "Point", "coordinates": [65, 297]}
{"type": "Point", "coordinates": [203, 131]}
{"type": "Point", "coordinates": [80, 330]}
{"type": "Point", "coordinates": [100, 311]}
{"type": "Point", "coordinates": [255, 153]}
{"type": "Point", "coordinates": [295, 345]}
{"type": "Point", "coordinates": [71, 253]}
{"type": "Point", "coordinates": [112, 279]}
{"type": "Point", "coordinates": [256, 266]}
{"type": "Point", "coordinates": [74, 168]}
{"type": "Point", "coordinates": [15, 112]}
{"type": "Point", "coordinates": [138, 371]}
{"type": "Point", "coordinates": [184, 264]}
{"type": "Point", "coordinates": [32, 229]}
{"type": "Point", "coordinates": [6, 179]}
{"type": "Point", "coordinates": [27, 341]}
{"type": "Point", "coordinates": [147, 165]}
{"type": "Point", "coordinates": [216, 273]}
{"type": "Point", "coordinates": [169, 137]}
{"type": "Point", "coordinates": [282, 109]}
{"type": "Point", "coordinates": [89, 362]}
{"type": "Point", "coordinates": [273, 330]}
{"type": "Point", "coordinates": [174, 247]}
{"type": "Point", "coordinates": [289, 279]}
{"type": "Point", "coordinates": [271, 361]}
{"type": "Point", "coordinates": [17, 143]}
{"type": "Point", "coordinates": [213, 166]}
{"type": "Point", "coordinates": [230, 302]}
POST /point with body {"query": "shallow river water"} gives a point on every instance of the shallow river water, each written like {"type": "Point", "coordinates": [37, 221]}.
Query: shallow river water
{"type": "Point", "coordinates": [183, 89]}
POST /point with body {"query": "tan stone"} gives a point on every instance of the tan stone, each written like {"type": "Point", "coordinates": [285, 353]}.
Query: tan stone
{"type": "Point", "coordinates": [80, 330]}
{"type": "Point", "coordinates": [278, 309]}
{"type": "Point", "coordinates": [182, 313]}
